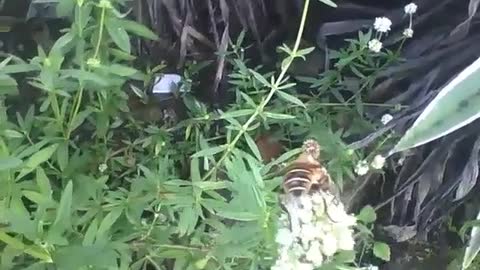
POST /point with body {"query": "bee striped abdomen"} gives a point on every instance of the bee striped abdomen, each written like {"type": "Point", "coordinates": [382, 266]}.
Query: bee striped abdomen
{"type": "Point", "coordinates": [297, 181]}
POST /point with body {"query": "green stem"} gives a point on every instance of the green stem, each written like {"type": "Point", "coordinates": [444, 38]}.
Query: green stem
{"type": "Point", "coordinates": [100, 32]}
{"type": "Point", "coordinates": [265, 101]}
{"type": "Point", "coordinates": [79, 96]}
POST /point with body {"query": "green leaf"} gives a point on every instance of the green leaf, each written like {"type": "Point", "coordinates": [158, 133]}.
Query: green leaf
{"type": "Point", "coordinates": [19, 68]}
{"type": "Point", "coordinates": [381, 250]}
{"type": "Point", "coordinates": [7, 163]}
{"type": "Point", "coordinates": [329, 2]}
{"type": "Point", "coordinates": [209, 151]}
{"type": "Point", "coordinates": [121, 70]}
{"type": "Point", "coordinates": [64, 211]}
{"type": "Point", "coordinates": [10, 133]}
{"type": "Point", "coordinates": [234, 215]}
{"type": "Point", "coordinates": [253, 146]}
{"type": "Point", "coordinates": [455, 106]}
{"type": "Point", "coordinates": [39, 198]}
{"type": "Point", "coordinates": [259, 77]}
{"type": "Point", "coordinates": [90, 233]}
{"type": "Point", "coordinates": [65, 7]}
{"type": "Point", "coordinates": [137, 29]}
{"type": "Point", "coordinates": [43, 182]}
{"type": "Point", "coordinates": [79, 119]}
{"type": "Point", "coordinates": [290, 98]}
{"type": "Point", "coordinates": [367, 214]}
{"type": "Point", "coordinates": [108, 222]}
{"type": "Point", "coordinates": [278, 116]}
{"type": "Point", "coordinates": [305, 51]}
{"type": "Point", "coordinates": [83, 75]}
{"type": "Point", "coordinates": [84, 257]}
{"type": "Point", "coordinates": [118, 34]}
{"type": "Point", "coordinates": [62, 155]}
{"type": "Point", "coordinates": [36, 159]}
{"type": "Point", "coordinates": [473, 246]}
{"type": "Point", "coordinates": [8, 86]}
{"type": "Point", "coordinates": [237, 113]}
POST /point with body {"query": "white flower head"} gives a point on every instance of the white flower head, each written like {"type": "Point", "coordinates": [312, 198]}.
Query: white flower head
{"type": "Point", "coordinates": [378, 162]}
{"type": "Point", "coordinates": [382, 24]}
{"type": "Point", "coordinates": [361, 168]}
{"type": "Point", "coordinates": [410, 8]}
{"type": "Point", "coordinates": [375, 45]}
{"type": "Point", "coordinates": [102, 167]}
{"type": "Point", "coordinates": [408, 32]}
{"type": "Point", "coordinates": [319, 235]}
{"type": "Point", "coordinates": [386, 118]}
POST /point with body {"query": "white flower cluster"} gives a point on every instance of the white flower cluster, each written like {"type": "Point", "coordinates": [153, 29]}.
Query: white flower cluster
{"type": "Point", "coordinates": [363, 167]}
{"type": "Point", "coordinates": [409, 9]}
{"type": "Point", "coordinates": [315, 228]}
{"type": "Point", "coordinates": [383, 24]}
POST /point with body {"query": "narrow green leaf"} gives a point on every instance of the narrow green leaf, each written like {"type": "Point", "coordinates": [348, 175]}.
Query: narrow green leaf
{"type": "Point", "coordinates": [381, 250]}
{"type": "Point", "coordinates": [64, 211]}
{"type": "Point", "coordinates": [62, 155]}
{"type": "Point", "coordinates": [305, 51]}
{"type": "Point", "coordinates": [118, 34]}
{"type": "Point", "coordinates": [83, 75]}
{"type": "Point", "coordinates": [209, 151]}
{"type": "Point", "coordinates": [329, 2]}
{"type": "Point", "coordinates": [43, 182]}
{"type": "Point", "coordinates": [290, 98]}
{"type": "Point", "coordinates": [240, 216]}
{"type": "Point", "coordinates": [137, 29]}
{"type": "Point", "coordinates": [195, 170]}
{"type": "Point", "coordinates": [278, 116]}
{"type": "Point", "coordinates": [79, 119]}
{"type": "Point", "coordinates": [260, 78]}
{"type": "Point", "coordinates": [253, 146]}
{"type": "Point", "coordinates": [121, 70]}
{"type": "Point", "coordinates": [108, 222]}
{"type": "Point", "coordinates": [19, 68]}
{"type": "Point", "coordinates": [473, 246]}
{"type": "Point", "coordinates": [10, 133]}
{"type": "Point", "coordinates": [90, 234]}
{"type": "Point", "coordinates": [211, 185]}
{"type": "Point", "coordinates": [36, 159]}
{"type": "Point", "coordinates": [38, 198]}
{"type": "Point", "coordinates": [455, 106]}
{"type": "Point", "coordinates": [237, 113]}
{"type": "Point", "coordinates": [7, 163]}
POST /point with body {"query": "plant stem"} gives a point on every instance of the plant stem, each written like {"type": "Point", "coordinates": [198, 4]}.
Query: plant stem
{"type": "Point", "coordinates": [265, 101]}
{"type": "Point", "coordinates": [100, 32]}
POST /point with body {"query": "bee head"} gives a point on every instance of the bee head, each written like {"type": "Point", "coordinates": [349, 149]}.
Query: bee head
{"type": "Point", "coordinates": [312, 148]}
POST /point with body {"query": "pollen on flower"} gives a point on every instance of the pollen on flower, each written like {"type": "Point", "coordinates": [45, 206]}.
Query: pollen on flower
{"type": "Point", "coordinates": [410, 8]}
{"type": "Point", "coordinates": [375, 45]}
{"type": "Point", "coordinates": [408, 32]}
{"type": "Point", "coordinates": [382, 24]}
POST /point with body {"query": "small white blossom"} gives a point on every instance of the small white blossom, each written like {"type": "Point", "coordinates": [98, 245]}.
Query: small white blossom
{"type": "Point", "coordinates": [284, 237]}
{"type": "Point", "coordinates": [314, 254]}
{"type": "Point", "coordinates": [361, 168]}
{"type": "Point", "coordinates": [375, 45]}
{"type": "Point", "coordinates": [329, 245]}
{"type": "Point", "coordinates": [382, 24]}
{"type": "Point", "coordinates": [102, 167]}
{"type": "Point", "coordinates": [410, 8]}
{"type": "Point", "coordinates": [386, 118]}
{"type": "Point", "coordinates": [408, 32]}
{"type": "Point", "coordinates": [378, 162]}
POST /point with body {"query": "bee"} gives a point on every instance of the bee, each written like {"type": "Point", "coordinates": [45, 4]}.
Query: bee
{"type": "Point", "coordinates": [306, 174]}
